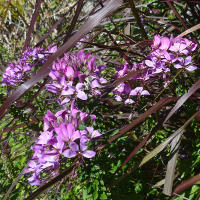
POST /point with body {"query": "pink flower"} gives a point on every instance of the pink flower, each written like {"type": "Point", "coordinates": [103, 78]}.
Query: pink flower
{"type": "Point", "coordinates": [66, 132]}
{"type": "Point", "coordinates": [187, 63]}
{"type": "Point", "coordinates": [72, 151]}
{"type": "Point", "coordinates": [92, 64]}
{"type": "Point", "coordinates": [165, 43]}
{"type": "Point", "coordinates": [129, 101]}
{"type": "Point", "coordinates": [93, 133]}
{"type": "Point", "coordinates": [80, 93]}
{"type": "Point", "coordinates": [69, 73]}
{"type": "Point", "coordinates": [89, 154]}
{"type": "Point", "coordinates": [139, 91]}
{"type": "Point", "coordinates": [156, 41]}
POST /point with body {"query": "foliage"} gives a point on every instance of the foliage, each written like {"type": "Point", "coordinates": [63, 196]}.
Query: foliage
{"type": "Point", "coordinates": [101, 88]}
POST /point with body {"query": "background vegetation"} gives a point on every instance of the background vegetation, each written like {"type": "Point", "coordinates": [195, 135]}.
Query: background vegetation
{"type": "Point", "coordinates": [122, 32]}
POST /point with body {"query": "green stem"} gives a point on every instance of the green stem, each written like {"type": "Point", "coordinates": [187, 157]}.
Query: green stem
{"type": "Point", "coordinates": [169, 83]}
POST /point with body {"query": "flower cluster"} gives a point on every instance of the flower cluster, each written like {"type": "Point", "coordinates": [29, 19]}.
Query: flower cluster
{"type": "Point", "coordinates": [76, 77]}
{"type": "Point", "coordinates": [17, 71]}
{"type": "Point", "coordinates": [61, 137]}
{"type": "Point", "coordinates": [124, 91]}
{"type": "Point", "coordinates": [73, 77]}
{"type": "Point", "coordinates": [167, 53]}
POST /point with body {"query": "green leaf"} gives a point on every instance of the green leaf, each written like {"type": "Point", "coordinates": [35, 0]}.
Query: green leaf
{"type": "Point", "coordinates": [103, 196]}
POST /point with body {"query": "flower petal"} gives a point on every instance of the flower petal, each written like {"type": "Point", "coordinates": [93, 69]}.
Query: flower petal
{"type": "Point", "coordinates": [69, 153]}
{"type": "Point", "coordinates": [149, 63]}
{"type": "Point", "coordinates": [83, 146]}
{"type": "Point", "coordinates": [95, 84]}
{"type": "Point", "coordinates": [191, 68]}
{"type": "Point", "coordinates": [89, 154]}
{"type": "Point", "coordinates": [178, 66]}
{"type": "Point", "coordinates": [188, 60]}
{"type": "Point", "coordinates": [145, 92]}
{"type": "Point", "coordinates": [81, 95]}
{"type": "Point", "coordinates": [165, 43]}
{"type": "Point", "coordinates": [118, 98]}
{"type": "Point", "coordinates": [96, 133]}
{"type": "Point", "coordinates": [129, 101]}
{"type": "Point", "coordinates": [73, 146]}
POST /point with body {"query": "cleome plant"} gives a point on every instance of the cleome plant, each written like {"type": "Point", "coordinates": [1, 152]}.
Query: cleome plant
{"type": "Point", "coordinates": [88, 98]}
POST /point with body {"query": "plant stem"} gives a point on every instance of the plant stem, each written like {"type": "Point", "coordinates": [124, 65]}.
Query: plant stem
{"type": "Point", "coordinates": [137, 17]}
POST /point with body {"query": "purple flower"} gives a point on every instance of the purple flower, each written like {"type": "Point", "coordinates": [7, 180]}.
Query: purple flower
{"type": "Point", "coordinates": [83, 116]}
{"type": "Point", "coordinates": [150, 63]}
{"type": "Point", "coordinates": [68, 89]}
{"type": "Point", "coordinates": [49, 120]}
{"type": "Point", "coordinates": [165, 43]}
{"type": "Point", "coordinates": [123, 71]}
{"type": "Point", "coordinates": [64, 73]}
{"type": "Point", "coordinates": [118, 98]}
{"type": "Point", "coordinates": [80, 93]}
{"type": "Point", "coordinates": [93, 133]}
{"type": "Point", "coordinates": [182, 46]}
{"type": "Point", "coordinates": [34, 179]}
{"type": "Point", "coordinates": [52, 49]}
{"type": "Point", "coordinates": [179, 48]}
{"type": "Point", "coordinates": [120, 88]}
{"type": "Point", "coordinates": [72, 151]}
{"type": "Point", "coordinates": [69, 73]}
{"type": "Point", "coordinates": [82, 57]}
{"type": "Point", "coordinates": [139, 91]}
{"type": "Point", "coordinates": [187, 63]}
{"type": "Point", "coordinates": [162, 43]}
{"type": "Point", "coordinates": [32, 166]}
{"type": "Point", "coordinates": [45, 137]}
{"type": "Point", "coordinates": [54, 87]}
{"type": "Point", "coordinates": [66, 132]}
{"type": "Point", "coordinates": [59, 145]}
{"type": "Point", "coordinates": [15, 72]}
{"type": "Point", "coordinates": [95, 84]}
{"type": "Point", "coordinates": [92, 64]}
{"type": "Point", "coordinates": [93, 117]}
{"type": "Point", "coordinates": [156, 41]}
{"type": "Point", "coordinates": [89, 154]}
{"type": "Point", "coordinates": [129, 101]}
